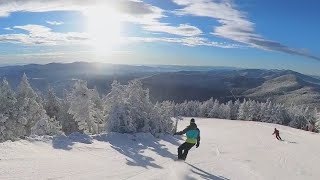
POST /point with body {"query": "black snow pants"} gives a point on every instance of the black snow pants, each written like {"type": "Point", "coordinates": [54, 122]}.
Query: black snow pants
{"type": "Point", "coordinates": [278, 137]}
{"type": "Point", "coordinates": [183, 150]}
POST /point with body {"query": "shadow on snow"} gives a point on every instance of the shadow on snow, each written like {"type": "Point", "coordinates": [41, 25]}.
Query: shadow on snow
{"type": "Point", "coordinates": [204, 174]}
{"type": "Point", "coordinates": [133, 147]}
{"type": "Point", "coordinates": [66, 142]}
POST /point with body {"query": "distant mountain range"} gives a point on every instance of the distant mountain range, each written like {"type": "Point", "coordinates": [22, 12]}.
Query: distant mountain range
{"type": "Point", "coordinates": [176, 83]}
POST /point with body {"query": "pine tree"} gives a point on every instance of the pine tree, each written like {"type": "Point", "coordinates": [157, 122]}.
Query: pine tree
{"type": "Point", "coordinates": [243, 110]}
{"type": "Point", "coordinates": [68, 123]}
{"type": "Point", "coordinates": [235, 109]}
{"type": "Point", "coordinates": [7, 108]}
{"type": "Point", "coordinates": [81, 107]}
{"type": "Point", "coordinates": [206, 107]}
{"type": "Point", "coordinates": [30, 115]}
{"type": "Point", "coordinates": [98, 110]}
{"type": "Point", "coordinates": [214, 112]}
{"type": "Point", "coordinates": [166, 113]}
{"type": "Point", "coordinates": [52, 104]}
{"type": "Point", "coordinates": [117, 115]}
{"type": "Point", "coordinates": [29, 111]}
{"type": "Point", "coordinates": [139, 105]}
{"type": "Point", "coordinates": [317, 123]}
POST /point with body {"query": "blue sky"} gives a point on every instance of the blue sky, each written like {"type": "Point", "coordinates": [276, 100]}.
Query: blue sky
{"type": "Point", "coordinates": [243, 33]}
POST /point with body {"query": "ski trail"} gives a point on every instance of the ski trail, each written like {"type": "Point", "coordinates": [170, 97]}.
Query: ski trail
{"type": "Point", "coordinates": [171, 170]}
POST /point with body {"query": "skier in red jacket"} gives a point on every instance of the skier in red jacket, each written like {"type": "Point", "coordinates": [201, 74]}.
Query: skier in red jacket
{"type": "Point", "coordinates": [277, 133]}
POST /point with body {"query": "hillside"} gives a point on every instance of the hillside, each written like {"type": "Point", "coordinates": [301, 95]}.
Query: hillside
{"type": "Point", "coordinates": [288, 89]}
{"type": "Point", "coordinates": [228, 150]}
{"type": "Point", "coordinates": [176, 83]}
{"type": "Point", "coordinates": [280, 86]}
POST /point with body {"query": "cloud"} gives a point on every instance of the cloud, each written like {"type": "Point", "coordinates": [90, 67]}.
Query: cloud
{"type": "Point", "coordinates": [8, 29]}
{"type": "Point", "coordinates": [41, 35]}
{"type": "Point", "coordinates": [234, 24]}
{"type": "Point", "coordinates": [55, 23]}
{"type": "Point", "coordinates": [132, 7]}
{"type": "Point", "coordinates": [187, 41]}
{"type": "Point", "coordinates": [181, 30]}
{"type": "Point", "coordinates": [134, 11]}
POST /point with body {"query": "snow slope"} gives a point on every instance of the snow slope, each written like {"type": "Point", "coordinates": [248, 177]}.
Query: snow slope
{"type": "Point", "coordinates": [229, 150]}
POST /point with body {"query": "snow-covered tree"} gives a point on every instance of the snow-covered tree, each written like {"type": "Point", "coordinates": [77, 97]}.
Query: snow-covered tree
{"type": "Point", "coordinates": [81, 107]}
{"type": "Point", "coordinates": [66, 120]}
{"type": "Point", "coordinates": [297, 116]}
{"type": "Point", "coordinates": [52, 104]}
{"type": "Point", "coordinates": [206, 107]}
{"type": "Point", "coordinates": [253, 108]}
{"type": "Point", "coordinates": [163, 121]}
{"type": "Point", "coordinates": [98, 111]}
{"type": "Point", "coordinates": [317, 124]}
{"type": "Point", "coordinates": [46, 126]}
{"type": "Point", "coordinates": [128, 109]}
{"type": "Point", "coordinates": [139, 105]}
{"type": "Point", "coordinates": [214, 112]}
{"type": "Point", "coordinates": [243, 110]}
{"type": "Point", "coordinates": [277, 115]}
{"type": "Point", "coordinates": [225, 110]}
{"type": "Point", "coordinates": [117, 115]}
{"type": "Point", "coordinates": [30, 115]}
{"type": "Point", "coordinates": [7, 108]}
{"type": "Point", "coordinates": [234, 109]}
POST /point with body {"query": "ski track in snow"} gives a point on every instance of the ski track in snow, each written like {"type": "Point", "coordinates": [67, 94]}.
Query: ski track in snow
{"type": "Point", "coordinates": [228, 150]}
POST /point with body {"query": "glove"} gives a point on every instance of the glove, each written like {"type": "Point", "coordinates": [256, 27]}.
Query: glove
{"type": "Point", "coordinates": [198, 144]}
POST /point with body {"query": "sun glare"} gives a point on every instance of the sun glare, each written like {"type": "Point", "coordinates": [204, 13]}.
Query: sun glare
{"type": "Point", "coordinates": [104, 28]}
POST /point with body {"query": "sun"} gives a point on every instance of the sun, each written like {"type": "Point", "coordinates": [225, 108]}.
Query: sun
{"type": "Point", "coordinates": [104, 29]}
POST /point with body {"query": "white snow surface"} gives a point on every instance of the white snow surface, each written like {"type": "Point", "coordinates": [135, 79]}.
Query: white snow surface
{"type": "Point", "coordinates": [229, 150]}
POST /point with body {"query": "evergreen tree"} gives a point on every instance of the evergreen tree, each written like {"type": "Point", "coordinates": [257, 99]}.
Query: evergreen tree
{"type": "Point", "coordinates": [68, 123]}
{"type": "Point", "coordinates": [235, 109]}
{"type": "Point", "coordinates": [215, 111]}
{"type": "Point", "coordinates": [206, 107]}
{"type": "Point", "coordinates": [30, 115]}
{"type": "Point", "coordinates": [165, 111]}
{"type": "Point", "coordinates": [81, 107]}
{"type": "Point", "coordinates": [117, 115]}
{"type": "Point", "coordinates": [98, 110]}
{"type": "Point", "coordinates": [139, 105]}
{"type": "Point", "coordinates": [52, 104]}
{"type": "Point", "coordinates": [7, 109]}
{"type": "Point", "coordinates": [243, 110]}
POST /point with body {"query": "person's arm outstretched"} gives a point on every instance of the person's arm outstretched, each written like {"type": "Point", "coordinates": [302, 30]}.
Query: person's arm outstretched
{"type": "Point", "coordinates": [182, 132]}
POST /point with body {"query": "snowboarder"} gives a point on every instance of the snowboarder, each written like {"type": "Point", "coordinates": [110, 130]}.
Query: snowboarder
{"type": "Point", "coordinates": [277, 133]}
{"type": "Point", "coordinates": [193, 138]}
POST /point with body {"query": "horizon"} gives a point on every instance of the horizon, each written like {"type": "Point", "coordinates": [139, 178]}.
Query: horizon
{"type": "Point", "coordinates": [160, 65]}
{"type": "Point", "coordinates": [227, 33]}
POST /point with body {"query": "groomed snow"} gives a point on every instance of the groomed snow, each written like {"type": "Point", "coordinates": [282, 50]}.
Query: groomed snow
{"type": "Point", "coordinates": [229, 150]}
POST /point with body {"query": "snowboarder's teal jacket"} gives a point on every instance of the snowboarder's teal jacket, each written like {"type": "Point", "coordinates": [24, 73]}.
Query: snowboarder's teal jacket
{"type": "Point", "coordinates": [192, 132]}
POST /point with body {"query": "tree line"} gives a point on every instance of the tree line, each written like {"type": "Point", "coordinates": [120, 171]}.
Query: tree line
{"type": "Point", "coordinates": [300, 117]}
{"type": "Point", "coordinates": [126, 109]}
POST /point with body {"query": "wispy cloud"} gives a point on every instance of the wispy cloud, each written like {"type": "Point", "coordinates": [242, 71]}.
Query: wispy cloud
{"type": "Point", "coordinates": [187, 41]}
{"type": "Point", "coordinates": [235, 24]}
{"type": "Point", "coordinates": [8, 29]}
{"type": "Point", "coordinates": [41, 35]}
{"type": "Point", "coordinates": [181, 30]}
{"type": "Point", "coordinates": [55, 23]}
